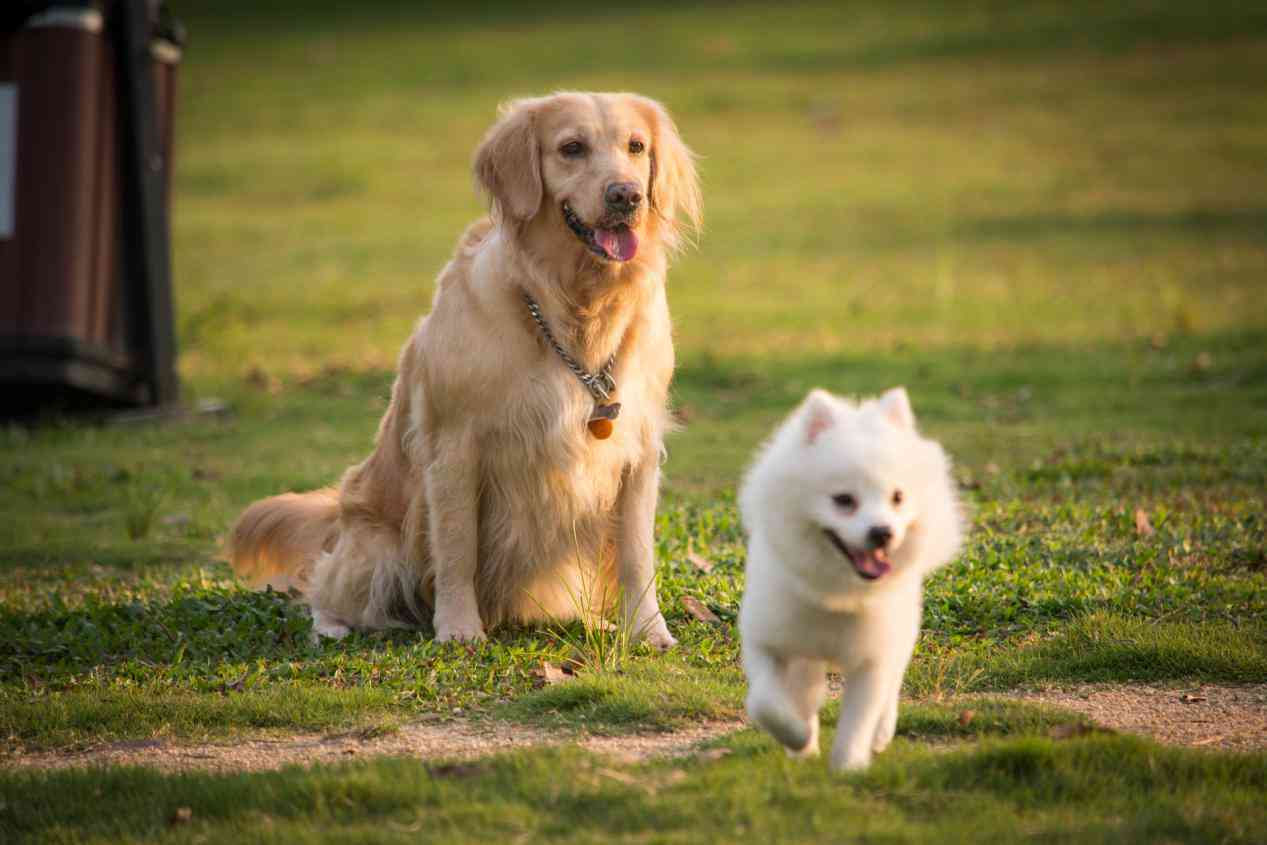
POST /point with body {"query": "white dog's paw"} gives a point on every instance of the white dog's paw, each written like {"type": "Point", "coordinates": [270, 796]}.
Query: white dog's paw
{"type": "Point", "coordinates": [811, 748]}
{"type": "Point", "coordinates": [850, 761]}
{"type": "Point", "coordinates": [883, 738]}
{"type": "Point", "coordinates": [885, 731]}
{"type": "Point", "coordinates": [808, 752]}
{"type": "Point", "coordinates": [782, 723]}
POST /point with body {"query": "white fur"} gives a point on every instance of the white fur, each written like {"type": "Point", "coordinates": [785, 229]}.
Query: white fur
{"type": "Point", "coordinates": [806, 608]}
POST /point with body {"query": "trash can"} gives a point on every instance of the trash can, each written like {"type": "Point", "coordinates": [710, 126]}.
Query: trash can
{"type": "Point", "coordinates": [87, 97]}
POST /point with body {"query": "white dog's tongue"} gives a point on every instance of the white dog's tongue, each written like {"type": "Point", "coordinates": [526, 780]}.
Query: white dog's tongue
{"type": "Point", "coordinates": [619, 244]}
{"type": "Point", "coordinates": [871, 564]}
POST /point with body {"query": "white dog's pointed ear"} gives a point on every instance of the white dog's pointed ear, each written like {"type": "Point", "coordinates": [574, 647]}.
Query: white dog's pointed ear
{"type": "Point", "coordinates": [818, 414]}
{"type": "Point", "coordinates": [896, 406]}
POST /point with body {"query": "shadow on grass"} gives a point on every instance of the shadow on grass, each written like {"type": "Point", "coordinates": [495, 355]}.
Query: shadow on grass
{"type": "Point", "coordinates": [1009, 406]}
{"type": "Point", "coordinates": [195, 626]}
{"type": "Point", "coordinates": [655, 696]}
{"type": "Point", "coordinates": [1243, 223]}
{"type": "Point", "coordinates": [944, 35]}
{"type": "Point", "coordinates": [1101, 647]}
{"type": "Point", "coordinates": [1093, 789]}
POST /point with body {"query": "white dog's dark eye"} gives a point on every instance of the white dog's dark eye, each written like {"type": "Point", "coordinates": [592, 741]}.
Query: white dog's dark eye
{"type": "Point", "coordinates": [572, 149]}
{"type": "Point", "coordinates": [845, 500]}
{"type": "Point", "coordinates": [897, 498]}
{"type": "Point", "coordinates": [636, 147]}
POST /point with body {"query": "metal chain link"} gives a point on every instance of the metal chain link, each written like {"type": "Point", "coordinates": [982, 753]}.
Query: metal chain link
{"type": "Point", "coordinates": [600, 384]}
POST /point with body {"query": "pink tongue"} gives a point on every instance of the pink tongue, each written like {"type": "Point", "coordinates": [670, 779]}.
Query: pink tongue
{"type": "Point", "coordinates": [619, 244]}
{"type": "Point", "coordinates": [869, 563]}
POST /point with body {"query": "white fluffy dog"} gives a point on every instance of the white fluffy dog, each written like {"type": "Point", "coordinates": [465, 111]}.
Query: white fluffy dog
{"type": "Point", "coordinates": [847, 509]}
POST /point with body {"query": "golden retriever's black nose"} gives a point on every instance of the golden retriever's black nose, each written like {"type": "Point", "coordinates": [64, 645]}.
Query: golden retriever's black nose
{"type": "Point", "coordinates": [879, 536]}
{"type": "Point", "coordinates": [623, 196]}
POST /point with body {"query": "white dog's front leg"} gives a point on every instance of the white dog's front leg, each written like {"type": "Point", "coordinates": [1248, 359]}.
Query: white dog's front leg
{"type": "Point", "coordinates": [771, 704]}
{"type": "Point", "coordinates": [863, 702]}
{"type": "Point", "coordinates": [807, 684]}
{"type": "Point", "coordinates": [452, 491]}
{"type": "Point", "coordinates": [641, 613]}
{"type": "Point", "coordinates": [887, 726]}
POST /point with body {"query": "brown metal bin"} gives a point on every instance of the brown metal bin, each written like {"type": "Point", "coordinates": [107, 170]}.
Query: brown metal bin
{"type": "Point", "coordinates": [77, 320]}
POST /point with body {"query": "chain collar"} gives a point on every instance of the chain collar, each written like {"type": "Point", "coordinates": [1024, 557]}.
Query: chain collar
{"type": "Point", "coordinates": [601, 385]}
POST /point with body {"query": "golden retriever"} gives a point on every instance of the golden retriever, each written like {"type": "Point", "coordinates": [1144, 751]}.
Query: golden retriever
{"type": "Point", "coordinates": [489, 496]}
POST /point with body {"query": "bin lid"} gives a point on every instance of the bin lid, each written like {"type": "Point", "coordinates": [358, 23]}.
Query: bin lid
{"type": "Point", "coordinates": [19, 13]}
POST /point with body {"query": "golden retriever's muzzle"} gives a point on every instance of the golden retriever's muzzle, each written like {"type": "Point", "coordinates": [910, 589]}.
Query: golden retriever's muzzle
{"type": "Point", "coordinates": [611, 238]}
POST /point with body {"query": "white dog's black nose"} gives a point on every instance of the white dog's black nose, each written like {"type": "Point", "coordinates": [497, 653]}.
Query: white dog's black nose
{"type": "Point", "coordinates": [623, 196]}
{"type": "Point", "coordinates": [879, 536]}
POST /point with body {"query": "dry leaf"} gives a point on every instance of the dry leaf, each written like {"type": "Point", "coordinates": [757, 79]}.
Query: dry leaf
{"type": "Point", "coordinates": [261, 379]}
{"type": "Point", "coordinates": [1082, 729]}
{"type": "Point", "coordinates": [713, 753]}
{"type": "Point", "coordinates": [699, 610]}
{"type": "Point", "coordinates": [701, 563]}
{"type": "Point", "coordinates": [552, 674]}
{"type": "Point", "coordinates": [183, 815]}
{"type": "Point", "coordinates": [455, 770]}
{"type": "Point", "coordinates": [1143, 527]}
{"type": "Point", "coordinates": [965, 717]}
{"type": "Point", "coordinates": [233, 686]}
{"type": "Point", "coordinates": [619, 777]}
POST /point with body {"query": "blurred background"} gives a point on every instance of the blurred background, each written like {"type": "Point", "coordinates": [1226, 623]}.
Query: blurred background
{"type": "Point", "coordinates": [1046, 218]}
{"type": "Point", "coordinates": [889, 187]}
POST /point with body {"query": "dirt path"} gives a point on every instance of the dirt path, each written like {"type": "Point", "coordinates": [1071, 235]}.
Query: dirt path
{"type": "Point", "coordinates": [1203, 716]}
{"type": "Point", "coordinates": [1206, 716]}
{"type": "Point", "coordinates": [452, 740]}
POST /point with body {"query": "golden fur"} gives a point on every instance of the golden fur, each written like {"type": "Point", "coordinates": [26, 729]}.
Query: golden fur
{"type": "Point", "coordinates": [486, 499]}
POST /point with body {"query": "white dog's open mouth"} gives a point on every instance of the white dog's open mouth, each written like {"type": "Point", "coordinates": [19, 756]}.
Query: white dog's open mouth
{"type": "Point", "coordinates": [868, 563]}
{"type": "Point", "coordinates": [616, 243]}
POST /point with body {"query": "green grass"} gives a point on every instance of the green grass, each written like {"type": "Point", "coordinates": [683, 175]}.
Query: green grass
{"type": "Point", "coordinates": [1046, 219]}
{"type": "Point", "coordinates": [997, 788]}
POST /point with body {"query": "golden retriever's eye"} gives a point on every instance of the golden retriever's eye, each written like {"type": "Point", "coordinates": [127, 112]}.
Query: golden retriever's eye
{"type": "Point", "coordinates": [636, 147]}
{"type": "Point", "coordinates": [845, 501]}
{"type": "Point", "coordinates": [897, 498]}
{"type": "Point", "coordinates": [572, 149]}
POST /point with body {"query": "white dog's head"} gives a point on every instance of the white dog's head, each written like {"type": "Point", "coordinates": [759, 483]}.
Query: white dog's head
{"type": "Point", "coordinates": [860, 486]}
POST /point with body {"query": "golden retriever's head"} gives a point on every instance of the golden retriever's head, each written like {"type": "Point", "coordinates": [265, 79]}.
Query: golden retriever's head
{"type": "Point", "coordinates": [602, 174]}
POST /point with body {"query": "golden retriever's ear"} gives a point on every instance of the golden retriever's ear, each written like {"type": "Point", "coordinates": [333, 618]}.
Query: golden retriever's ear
{"type": "Point", "coordinates": [674, 190]}
{"type": "Point", "coordinates": [508, 162]}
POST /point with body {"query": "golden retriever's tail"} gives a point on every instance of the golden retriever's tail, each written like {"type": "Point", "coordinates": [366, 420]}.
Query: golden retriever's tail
{"type": "Point", "coordinates": [276, 540]}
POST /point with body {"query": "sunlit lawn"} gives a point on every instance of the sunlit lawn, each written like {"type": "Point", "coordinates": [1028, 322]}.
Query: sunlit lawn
{"type": "Point", "coordinates": [1047, 220]}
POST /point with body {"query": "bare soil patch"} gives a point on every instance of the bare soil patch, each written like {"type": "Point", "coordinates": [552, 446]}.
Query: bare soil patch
{"type": "Point", "coordinates": [449, 740]}
{"type": "Point", "coordinates": [1204, 716]}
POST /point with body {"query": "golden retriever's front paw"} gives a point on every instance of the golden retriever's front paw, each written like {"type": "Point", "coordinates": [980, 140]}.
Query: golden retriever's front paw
{"type": "Point", "coordinates": [460, 631]}
{"type": "Point", "coordinates": [655, 633]}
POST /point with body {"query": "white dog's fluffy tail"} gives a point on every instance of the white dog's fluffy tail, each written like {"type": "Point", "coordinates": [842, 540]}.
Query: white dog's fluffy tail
{"type": "Point", "coordinates": [276, 540]}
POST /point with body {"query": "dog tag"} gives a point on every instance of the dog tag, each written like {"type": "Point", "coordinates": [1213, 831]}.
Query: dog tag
{"type": "Point", "coordinates": [602, 420]}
